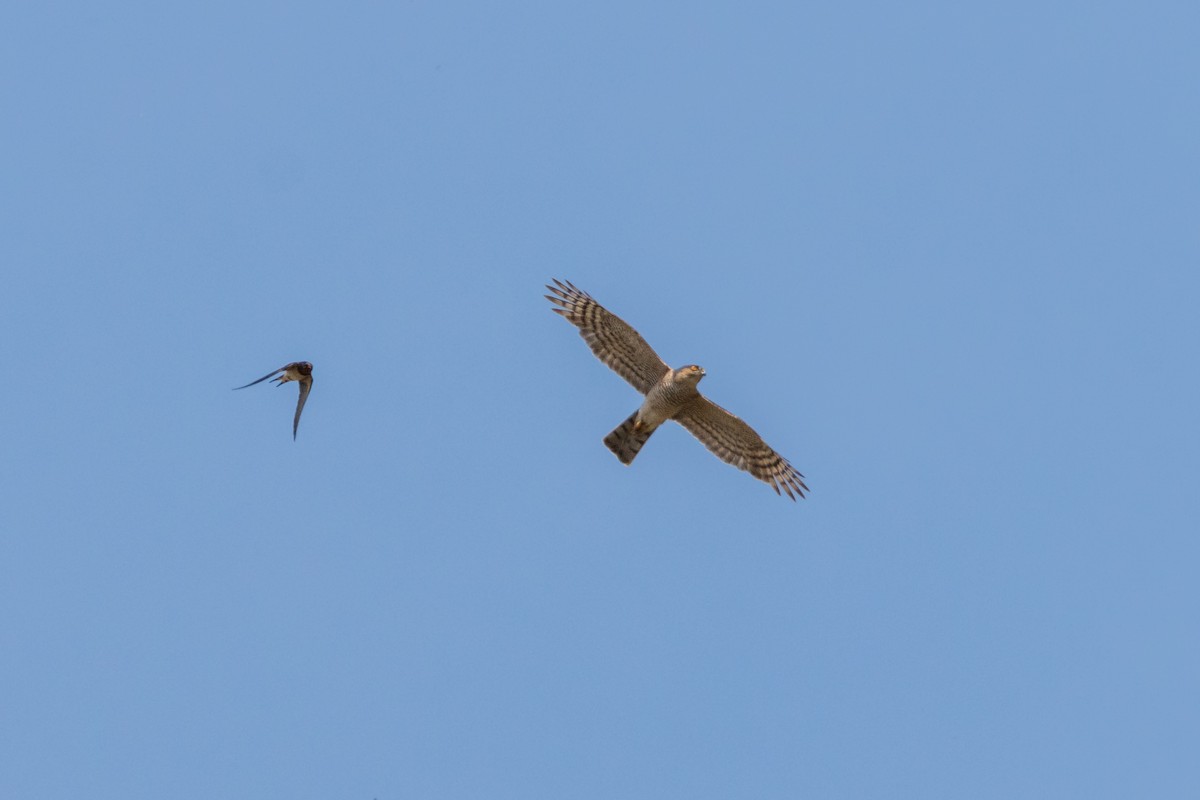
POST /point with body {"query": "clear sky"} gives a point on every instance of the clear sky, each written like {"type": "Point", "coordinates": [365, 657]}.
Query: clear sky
{"type": "Point", "coordinates": [944, 257]}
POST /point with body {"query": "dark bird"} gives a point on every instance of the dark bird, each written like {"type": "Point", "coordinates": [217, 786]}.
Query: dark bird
{"type": "Point", "coordinates": [296, 371]}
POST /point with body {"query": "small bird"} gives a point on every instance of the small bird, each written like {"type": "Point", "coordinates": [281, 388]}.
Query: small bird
{"type": "Point", "coordinates": [671, 394]}
{"type": "Point", "coordinates": [296, 371]}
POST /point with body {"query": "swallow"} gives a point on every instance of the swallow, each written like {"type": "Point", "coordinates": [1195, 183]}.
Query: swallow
{"type": "Point", "coordinates": [296, 371]}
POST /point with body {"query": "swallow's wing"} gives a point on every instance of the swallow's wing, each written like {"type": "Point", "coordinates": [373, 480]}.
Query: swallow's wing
{"type": "Point", "coordinates": [305, 388]}
{"type": "Point", "coordinates": [263, 378]}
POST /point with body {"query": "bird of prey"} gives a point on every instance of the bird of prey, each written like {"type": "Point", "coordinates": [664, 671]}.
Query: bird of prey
{"type": "Point", "coordinates": [296, 371]}
{"type": "Point", "coordinates": [670, 394]}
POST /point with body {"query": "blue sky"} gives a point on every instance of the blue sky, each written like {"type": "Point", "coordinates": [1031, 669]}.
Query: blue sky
{"type": "Point", "coordinates": [942, 256]}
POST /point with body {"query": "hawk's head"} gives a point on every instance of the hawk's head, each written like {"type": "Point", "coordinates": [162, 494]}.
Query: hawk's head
{"type": "Point", "coordinates": [689, 374]}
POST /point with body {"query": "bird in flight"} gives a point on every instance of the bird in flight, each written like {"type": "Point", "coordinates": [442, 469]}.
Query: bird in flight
{"type": "Point", "coordinates": [670, 394]}
{"type": "Point", "coordinates": [296, 371]}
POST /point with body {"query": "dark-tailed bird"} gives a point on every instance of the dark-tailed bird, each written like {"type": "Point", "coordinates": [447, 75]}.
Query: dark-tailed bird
{"type": "Point", "coordinates": [300, 371]}
{"type": "Point", "coordinates": [670, 394]}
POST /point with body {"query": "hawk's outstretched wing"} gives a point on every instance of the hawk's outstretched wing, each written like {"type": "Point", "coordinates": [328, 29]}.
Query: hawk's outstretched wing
{"type": "Point", "coordinates": [735, 442]}
{"type": "Point", "coordinates": [612, 340]}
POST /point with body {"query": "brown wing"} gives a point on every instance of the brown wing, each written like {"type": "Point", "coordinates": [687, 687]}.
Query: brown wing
{"type": "Point", "coordinates": [735, 442]}
{"type": "Point", "coordinates": [612, 340]}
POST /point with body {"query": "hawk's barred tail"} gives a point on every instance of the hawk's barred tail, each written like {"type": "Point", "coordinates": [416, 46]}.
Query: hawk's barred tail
{"type": "Point", "coordinates": [626, 441]}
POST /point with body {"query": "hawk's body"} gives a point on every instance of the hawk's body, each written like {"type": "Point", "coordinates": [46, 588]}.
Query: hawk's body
{"type": "Point", "coordinates": [670, 394]}
{"type": "Point", "coordinates": [664, 400]}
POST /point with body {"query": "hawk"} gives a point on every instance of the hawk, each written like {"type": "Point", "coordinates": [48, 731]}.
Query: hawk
{"type": "Point", "coordinates": [670, 394]}
{"type": "Point", "coordinates": [296, 371]}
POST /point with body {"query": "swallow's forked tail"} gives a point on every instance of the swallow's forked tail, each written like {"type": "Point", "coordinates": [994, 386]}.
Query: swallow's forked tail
{"type": "Point", "coordinates": [627, 439]}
